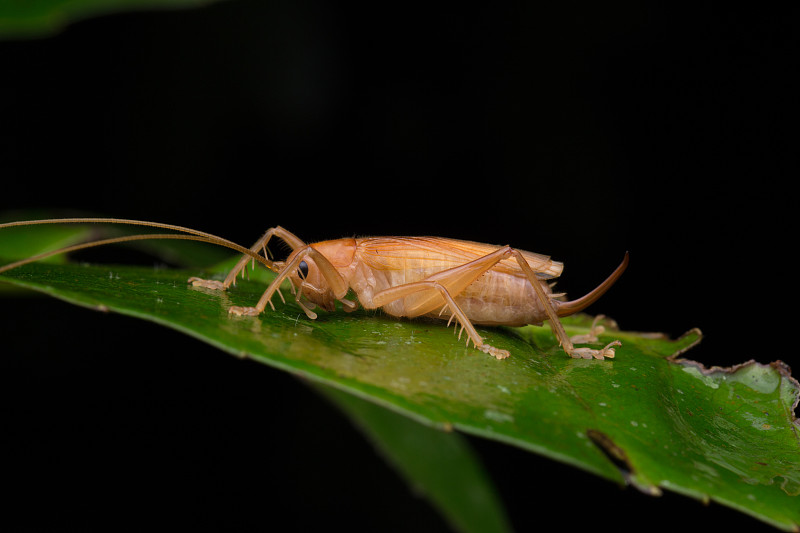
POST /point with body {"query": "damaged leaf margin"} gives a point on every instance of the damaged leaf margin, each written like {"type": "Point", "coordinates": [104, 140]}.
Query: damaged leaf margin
{"type": "Point", "coordinates": [760, 375]}
{"type": "Point", "coordinates": [737, 429]}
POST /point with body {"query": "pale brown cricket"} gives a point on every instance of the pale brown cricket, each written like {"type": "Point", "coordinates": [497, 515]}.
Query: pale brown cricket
{"type": "Point", "coordinates": [469, 282]}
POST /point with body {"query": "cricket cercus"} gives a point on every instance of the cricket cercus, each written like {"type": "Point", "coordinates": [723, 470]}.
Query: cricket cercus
{"type": "Point", "coordinates": [469, 282]}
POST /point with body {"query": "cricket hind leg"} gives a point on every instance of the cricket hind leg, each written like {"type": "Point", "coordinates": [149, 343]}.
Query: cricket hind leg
{"type": "Point", "coordinates": [456, 321]}
{"type": "Point", "coordinates": [461, 319]}
{"type": "Point", "coordinates": [558, 329]}
{"type": "Point", "coordinates": [260, 244]}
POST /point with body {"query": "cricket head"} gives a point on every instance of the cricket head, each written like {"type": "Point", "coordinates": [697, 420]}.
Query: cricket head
{"type": "Point", "coordinates": [309, 281]}
{"type": "Point", "coordinates": [317, 271]}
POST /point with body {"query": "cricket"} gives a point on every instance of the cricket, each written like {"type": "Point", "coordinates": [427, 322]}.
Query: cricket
{"type": "Point", "coordinates": [466, 283]}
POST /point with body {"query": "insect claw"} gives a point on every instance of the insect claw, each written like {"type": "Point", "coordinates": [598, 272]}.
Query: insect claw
{"type": "Point", "coordinates": [608, 351]}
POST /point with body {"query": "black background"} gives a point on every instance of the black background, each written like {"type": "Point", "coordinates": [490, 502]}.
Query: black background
{"type": "Point", "coordinates": [576, 130]}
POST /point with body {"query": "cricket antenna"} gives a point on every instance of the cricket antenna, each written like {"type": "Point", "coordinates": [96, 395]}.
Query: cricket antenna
{"type": "Point", "coordinates": [187, 234]}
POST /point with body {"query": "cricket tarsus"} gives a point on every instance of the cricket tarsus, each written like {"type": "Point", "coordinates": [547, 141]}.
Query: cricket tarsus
{"type": "Point", "coordinates": [207, 283]}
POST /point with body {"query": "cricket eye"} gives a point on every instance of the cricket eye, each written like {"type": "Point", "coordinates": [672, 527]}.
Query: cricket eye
{"type": "Point", "coordinates": [302, 269]}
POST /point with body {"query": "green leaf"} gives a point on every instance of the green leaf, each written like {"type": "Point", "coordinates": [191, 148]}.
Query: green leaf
{"type": "Point", "coordinates": [21, 242]}
{"type": "Point", "coordinates": [27, 241]}
{"type": "Point", "coordinates": [644, 418]}
{"type": "Point", "coordinates": [38, 18]}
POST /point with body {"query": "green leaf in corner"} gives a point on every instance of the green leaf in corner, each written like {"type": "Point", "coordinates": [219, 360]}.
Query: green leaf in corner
{"type": "Point", "coordinates": [39, 18]}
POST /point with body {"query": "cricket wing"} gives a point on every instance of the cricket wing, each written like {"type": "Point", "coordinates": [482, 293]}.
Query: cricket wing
{"type": "Point", "coordinates": [434, 254]}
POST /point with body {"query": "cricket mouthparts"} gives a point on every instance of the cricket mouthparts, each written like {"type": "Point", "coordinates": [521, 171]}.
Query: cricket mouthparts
{"type": "Point", "coordinates": [574, 306]}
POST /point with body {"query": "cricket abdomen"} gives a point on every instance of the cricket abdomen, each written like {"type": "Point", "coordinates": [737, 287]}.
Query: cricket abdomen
{"type": "Point", "coordinates": [498, 299]}
{"type": "Point", "coordinates": [406, 276]}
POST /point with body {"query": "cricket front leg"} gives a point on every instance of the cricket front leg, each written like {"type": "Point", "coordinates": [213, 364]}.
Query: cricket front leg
{"type": "Point", "coordinates": [335, 283]}
{"type": "Point", "coordinates": [261, 244]}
